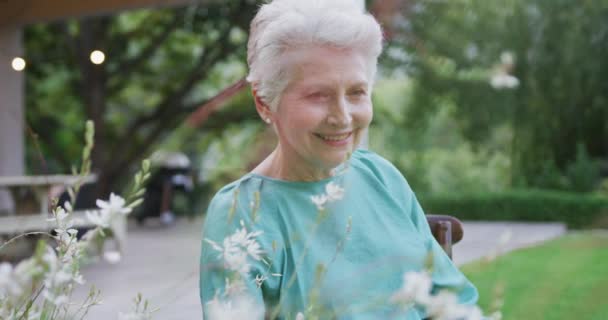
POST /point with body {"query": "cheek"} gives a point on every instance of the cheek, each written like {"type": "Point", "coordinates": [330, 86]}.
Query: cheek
{"type": "Point", "coordinates": [300, 122]}
{"type": "Point", "coordinates": [364, 114]}
{"type": "Point", "coordinates": [308, 117]}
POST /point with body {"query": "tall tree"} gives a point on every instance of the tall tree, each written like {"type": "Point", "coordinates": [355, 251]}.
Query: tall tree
{"type": "Point", "coordinates": [559, 49]}
{"type": "Point", "coordinates": [160, 66]}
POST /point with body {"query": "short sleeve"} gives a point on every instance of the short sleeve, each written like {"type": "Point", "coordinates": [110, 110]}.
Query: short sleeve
{"type": "Point", "coordinates": [445, 274]}
{"type": "Point", "coordinates": [229, 219]}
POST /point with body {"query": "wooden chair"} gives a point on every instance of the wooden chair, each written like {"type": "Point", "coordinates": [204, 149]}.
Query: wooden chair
{"type": "Point", "coordinates": [447, 230]}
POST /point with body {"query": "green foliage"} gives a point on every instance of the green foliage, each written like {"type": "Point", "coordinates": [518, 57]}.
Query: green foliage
{"type": "Point", "coordinates": [463, 169]}
{"type": "Point", "coordinates": [221, 150]}
{"type": "Point", "coordinates": [561, 279]}
{"type": "Point", "coordinates": [161, 65]}
{"type": "Point", "coordinates": [549, 177]}
{"type": "Point", "coordinates": [229, 154]}
{"type": "Point", "coordinates": [454, 47]}
{"type": "Point", "coordinates": [583, 174]}
{"type": "Point", "coordinates": [575, 209]}
{"type": "Point", "coordinates": [435, 157]}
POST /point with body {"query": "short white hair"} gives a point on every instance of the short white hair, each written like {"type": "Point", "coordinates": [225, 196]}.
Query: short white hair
{"type": "Point", "coordinates": [286, 24]}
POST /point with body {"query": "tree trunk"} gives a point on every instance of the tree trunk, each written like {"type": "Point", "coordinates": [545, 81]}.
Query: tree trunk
{"type": "Point", "coordinates": [93, 90]}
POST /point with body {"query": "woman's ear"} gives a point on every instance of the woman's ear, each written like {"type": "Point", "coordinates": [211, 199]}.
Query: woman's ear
{"type": "Point", "coordinates": [262, 108]}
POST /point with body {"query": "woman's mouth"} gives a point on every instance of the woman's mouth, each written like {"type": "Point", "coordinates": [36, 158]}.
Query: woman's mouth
{"type": "Point", "coordinates": [335, 139]}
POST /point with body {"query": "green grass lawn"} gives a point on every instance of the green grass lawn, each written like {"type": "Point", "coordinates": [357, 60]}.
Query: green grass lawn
{"type": "Point", "coordinates": [566, 278]}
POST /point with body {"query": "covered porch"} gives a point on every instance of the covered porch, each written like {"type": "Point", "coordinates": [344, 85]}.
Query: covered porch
{"type": "Point", "coordinates": [14, 16]}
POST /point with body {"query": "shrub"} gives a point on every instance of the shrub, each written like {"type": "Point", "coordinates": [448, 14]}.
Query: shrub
{"type": "Point", "coordinates": [575, 209]}
{"type": "Point", "coordinates": [584, 173]}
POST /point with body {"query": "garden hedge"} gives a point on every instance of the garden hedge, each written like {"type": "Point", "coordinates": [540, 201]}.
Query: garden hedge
{"type": "Point", "coordinates": [577, 210]}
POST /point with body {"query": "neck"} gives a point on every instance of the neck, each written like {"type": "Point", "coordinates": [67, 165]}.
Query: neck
{"type": "Point", "coordinates": [279, 166]}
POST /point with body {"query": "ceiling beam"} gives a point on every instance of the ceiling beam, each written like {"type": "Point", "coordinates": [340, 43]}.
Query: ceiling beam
{"type": "Point", "coordinates": [22, 12]}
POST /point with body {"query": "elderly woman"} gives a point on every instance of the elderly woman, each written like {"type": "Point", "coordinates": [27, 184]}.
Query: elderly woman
{"type": "Point", "coordinates": [319, 228]}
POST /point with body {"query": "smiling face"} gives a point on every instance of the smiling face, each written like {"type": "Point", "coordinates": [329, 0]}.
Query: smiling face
{"type": "Point", "coordinates": [324, 109]}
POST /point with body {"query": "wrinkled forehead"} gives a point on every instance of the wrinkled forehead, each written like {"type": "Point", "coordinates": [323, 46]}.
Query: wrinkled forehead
{"type": "Point", "coordinates": [326, 63]}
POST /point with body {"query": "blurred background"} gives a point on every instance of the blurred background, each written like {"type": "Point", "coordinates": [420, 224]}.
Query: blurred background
{"type": "Point", "coordinates": [493, 111]}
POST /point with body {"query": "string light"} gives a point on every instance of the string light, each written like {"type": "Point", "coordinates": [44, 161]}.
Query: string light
{"type": "Point", "coordinates": [97, 57]}
{"type": "Point", "coordinates": [18, 64]}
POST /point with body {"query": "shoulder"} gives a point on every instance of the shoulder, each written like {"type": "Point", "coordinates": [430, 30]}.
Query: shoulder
{"type": "Point", "coordinates": [382, 169]}
{"type": "Point", "coordinates": [371, 158]}
{"type": "Point", "coordinates": [226, 203]}
{"type": "Point", "coordinates": [236, 202]}
{"type": "Point", "coordinates": [223, 199]}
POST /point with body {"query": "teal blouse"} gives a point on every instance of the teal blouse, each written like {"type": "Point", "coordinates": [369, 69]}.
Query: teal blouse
{"type": "Point", "coordinates": [345, 260]}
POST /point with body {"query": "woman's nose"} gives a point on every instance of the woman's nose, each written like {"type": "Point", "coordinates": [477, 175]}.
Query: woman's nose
{"type": "Point", "coordinates": [339, 114]}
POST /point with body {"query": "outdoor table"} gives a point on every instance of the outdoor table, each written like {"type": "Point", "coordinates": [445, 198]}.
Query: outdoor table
{"type": "Point", "coordinates": [41, 185]}
{"type": "Point", "coordinates": [22, 220]}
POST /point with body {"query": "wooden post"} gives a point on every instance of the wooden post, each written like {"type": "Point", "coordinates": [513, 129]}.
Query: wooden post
{"type": "Point", "coordinates": [11, 110]}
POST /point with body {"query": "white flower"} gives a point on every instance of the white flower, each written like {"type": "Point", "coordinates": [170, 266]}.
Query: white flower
{"type": "Point", "coordinates": [237, 261]}
{"type": "Point", "coordinates": [300, 316]}
{"type": "Point", "coordinates": [255, 250]}
{"type": "Point", "coordinates": [57, 300]}
{"type": "Point", "coordinates": [475, 314]}
{"type": "Point", "coordinates": [22, 276]}
{"type": "Point", "coordinates": [503, 80]}
{"type": "Point", "coordinates": [110, 214]}
{"type": "Point", "coordinates": [416, 289]}
{"type": "Point", "coordinates": [507, 57]}
{"type": "Point", "coordinates": [99, 218]}
{"type": "Point", "coordinates": [34, 315]}
{"type": "Point", "coordinates": [334, 192]}
{"type": "Point", "coordinates": [59, 214]}
{"type": "Point", "coordinates": [65, 237]}
{"type": "Point", "coordinates": [50, 257]}
{"type": "Point", "coordinates": [239, 307]}
{"type": "Point", "coordinates": [116, 205]}
{"type": "Point", "coordinates": [68, 206]}
{"type": "Point", "coordinates": [78, 278]}
{"type": "Point", "coordinates": [61, 218]}
{"type": "Point", "coordinates": [444, 306]}
{"type": "Point", "coordinates": [113, 257]}
{"type": "Point", "coordinates": [319, 201]}
{"type": "Point", "coordinates": [259, 280]}
{"type": "Point", "coordinates": [235, 287]}
{"type": "Point", "coordinates": [497, 315]}
{"type": "Point", "coordinates": [6, 270]}
{"type": "Point", "coordinates": [60, 274]}
{"type": "Point", "coordinates": [239, 237]}
{"type": "Point", "coordinates": [72, 251]}
{"type": "Point", "coordinates": [237, 248]}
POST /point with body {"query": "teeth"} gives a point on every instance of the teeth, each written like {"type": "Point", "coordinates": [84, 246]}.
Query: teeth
{"type": "Point", "coordinates": [335, 138]}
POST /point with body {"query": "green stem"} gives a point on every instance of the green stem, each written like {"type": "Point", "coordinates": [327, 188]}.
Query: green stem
{"type": "Point", "coordinates": [24, 235]}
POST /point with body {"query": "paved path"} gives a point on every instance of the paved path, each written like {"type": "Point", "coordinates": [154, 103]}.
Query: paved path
{"type": "Point", "coordinates": [484, 238]}
{"type": "Point", "coordinates": [162, 264]}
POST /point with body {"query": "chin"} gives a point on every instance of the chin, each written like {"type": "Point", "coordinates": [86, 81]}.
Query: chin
{"type": "Point", "coordinates": [336, 158]}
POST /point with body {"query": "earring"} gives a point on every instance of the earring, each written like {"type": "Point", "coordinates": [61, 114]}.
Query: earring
{"type": "Point", "coordinates": [268, 120]}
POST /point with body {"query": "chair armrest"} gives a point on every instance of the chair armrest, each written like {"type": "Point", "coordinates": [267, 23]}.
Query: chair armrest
{"type": "Point", "coordinates": [447, 230]}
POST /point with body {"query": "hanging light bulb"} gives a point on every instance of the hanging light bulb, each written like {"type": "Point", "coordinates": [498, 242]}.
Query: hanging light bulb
{"type": "Point", "coordinates": [18, 64]}
{"type": "Point", "coordinates": [97, 57]}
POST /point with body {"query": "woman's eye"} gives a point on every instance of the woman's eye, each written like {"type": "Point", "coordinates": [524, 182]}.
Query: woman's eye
{"type": "Point", "coordinates": [319, 95]}
{"type": "Point", "coordinates": [358, 93]}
